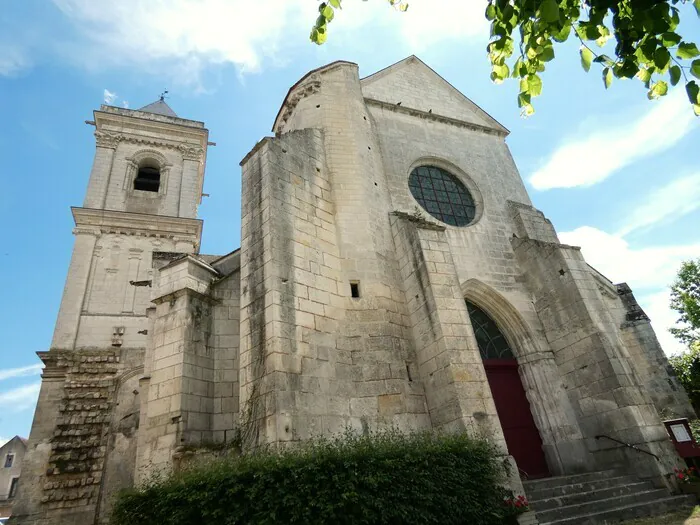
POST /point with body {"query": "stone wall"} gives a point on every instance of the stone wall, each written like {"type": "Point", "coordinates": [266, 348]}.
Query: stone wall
{"type": "Point", "coordinates": [593, 362]}
{"type": "Point", "coordinates": [76, 436]}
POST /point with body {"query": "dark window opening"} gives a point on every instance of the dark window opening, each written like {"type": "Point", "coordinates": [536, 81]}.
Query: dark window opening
{"type": "Point", "coordinates": [9, 460]}
{"type": "Point", "coordinates": [355, 290]}
{"type": "Point", "coordinates": [442, 195]}
{"type": "Point", "coordinates": [489, 338]}
{"type": "Point", "coordinates": [13, 487]}
{"type": "Point", "coordinates": [147, 179]}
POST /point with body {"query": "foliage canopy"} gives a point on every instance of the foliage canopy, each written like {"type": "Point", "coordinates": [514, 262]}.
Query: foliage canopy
{"type": "Point", "coordinates": [647, 44]}
{"type": "Point", "coordinates": [685, 299]}
{"type": "Point", "coordinates": [374, 479]}
{"type": "Point", "coordinates": [687, 369]}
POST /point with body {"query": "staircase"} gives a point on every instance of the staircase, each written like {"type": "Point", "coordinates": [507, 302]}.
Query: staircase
{"type": "Point", "coordinates": [599, 498]}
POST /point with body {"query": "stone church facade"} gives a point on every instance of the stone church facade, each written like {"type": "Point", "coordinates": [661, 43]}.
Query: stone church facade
{"type": "Point", "coordinates": [392, 272]}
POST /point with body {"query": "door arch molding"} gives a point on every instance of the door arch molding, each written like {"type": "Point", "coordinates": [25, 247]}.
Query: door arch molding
{"type": "Point", "coordinates": [531, 354]}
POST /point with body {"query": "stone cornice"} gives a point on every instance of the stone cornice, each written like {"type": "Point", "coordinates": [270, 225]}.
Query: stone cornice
{"type": "Point", "coordinates": [110, 139]}
{"type": "Point", "coordinates": [185, 291]}
{"type": "Point", "coordinates": [434, 117]}
{"type": "Point", "coordinates": [88, 220]}
{"type": "Point", "coordinates": [419, 220]}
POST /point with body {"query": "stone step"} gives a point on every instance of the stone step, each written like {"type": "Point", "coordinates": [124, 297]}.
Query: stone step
{"type": "Point", "coordinates": [575, 488]}
{"type": "Point", "coordinates": [599, 505]}
{"type": "Point", "coordinates": [584, 496]}
{"type": "Point", "coordinates": [546, 483]}
{"type": "Point", "coordinates": [654, 507]}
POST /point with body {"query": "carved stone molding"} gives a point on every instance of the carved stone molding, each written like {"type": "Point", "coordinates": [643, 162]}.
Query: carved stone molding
{"type": "Point", "coordinates": [191, 152]}
{"type": "Point", "coordinates": [106, 139]}
{"type": "Point", "coordinates": [311, 86]}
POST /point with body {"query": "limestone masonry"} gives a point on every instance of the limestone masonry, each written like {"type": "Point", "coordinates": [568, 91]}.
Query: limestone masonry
{"type": "Point", "coordinates": [392, 272]}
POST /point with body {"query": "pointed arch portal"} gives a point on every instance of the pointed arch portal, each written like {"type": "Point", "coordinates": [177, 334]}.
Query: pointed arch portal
{"type": "Point", "coordinates": [519, 429]}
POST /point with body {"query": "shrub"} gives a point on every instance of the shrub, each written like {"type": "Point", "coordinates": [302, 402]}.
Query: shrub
{"type": "Point", "coordinates": [381, 478]}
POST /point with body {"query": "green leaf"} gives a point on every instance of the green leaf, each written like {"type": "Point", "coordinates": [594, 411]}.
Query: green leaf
{"type": "Point", "coordinates": [659, 89]}
{"type": "Point", "coordinates": [563, 34]}
{"type": "Point", "coordinates": [549, 11]}
{"type": "Point", "coordinates": [321, 38]}
{"type": "Point", "coordinates": [675, 73]}
{"type": "Point", "coordinates": [586, 58]}
{"type": "Point", "coordinates": [535, 84]}
{"type": "Point", "coordinates": [696, 109]}
{"type": "Point", "coordinates": [328, 13]}
{"type": "Point", "coordinates": [662, 58]}
{"type": "Point", "coordinates": [607, 77]}
{"type": "Point", "coordinates": [490, 12]}
{"type": "Point", "coordinates": [335, 3]}
{"type": "Point", "coordinates": [671, 39]}
{"type": "Point", "coordinates": [644, 75]}
{"type": "Point", "coordinates": [675, 18]}
{"type": "Point", "coordinates": [547, 53]}
{"type": "Point", "coordinates": [693, 91]}
{"type": "Point", "coordinates": [604, 35]}
{"type": "Point", "coordinates": [695, 68]}
{"type": "Point", "coordinates": [696, 4]}
{"type": "Point", "coordinates": [604, 59]}
{"type": "Point", "coordinates": [523, 99]}
{"type": "Point", "coordinates": [499, 73]}
{"type": "Point", "coordinates": [687, 50]}
{"type": "Point", "coordinates": [524, 86]}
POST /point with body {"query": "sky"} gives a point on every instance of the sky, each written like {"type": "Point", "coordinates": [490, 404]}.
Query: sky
{"type": "Point", "coordinates": [615, 173]}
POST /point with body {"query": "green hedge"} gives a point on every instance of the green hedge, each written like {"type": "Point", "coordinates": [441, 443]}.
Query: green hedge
{"type": "Point", "coordinates": [386, 478]}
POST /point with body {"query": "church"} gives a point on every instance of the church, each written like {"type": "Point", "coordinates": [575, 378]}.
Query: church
{"type": "Point", "coordinates": [392, 273]}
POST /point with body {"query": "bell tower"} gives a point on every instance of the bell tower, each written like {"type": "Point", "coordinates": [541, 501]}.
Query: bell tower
{"type": "Point", "coordinates": [143, 192]}
{"type": "Point", "coordinates": [144, 189]}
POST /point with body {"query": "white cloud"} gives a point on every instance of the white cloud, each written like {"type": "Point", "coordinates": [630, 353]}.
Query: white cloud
{"type": "Point", "coordinates": [644, 268]}
{"type": "Point", "coordinates": [677, 198]}
{"type": "Point", "coordinates": [648, 270]}
{"type": "Point", "coordinates": [21, 371]}
{"type": "Point", "coordinates": [20, 398]}
{"type": "Point", "coordinates": [429, 22]}
{"type": "Point", "coordinates": [125, 103]}
{"type": "Point", "coordinates": [592, 158]}
{"type": "Point", "coordinates": [656, 306]}
{"type": "Point", "coordinates": [13, 60]}
{"type": "Point", "coordinates": [3, 440]}
{"type": "Point", "coordinates": [181, 37]}
{"type": "Point", "coordinates": [109, 97]}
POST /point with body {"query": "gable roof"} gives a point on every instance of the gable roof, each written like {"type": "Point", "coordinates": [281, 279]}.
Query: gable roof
{"type": "Point", "coordinates": [16, 438]}
{"type": "Point", "coordinates": [416, 85]}
{"type": "Point", "coordinates": [159, 107]}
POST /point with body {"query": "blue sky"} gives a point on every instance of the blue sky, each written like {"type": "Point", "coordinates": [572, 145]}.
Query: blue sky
{"type": "Point", "coordinates": [614, 172]}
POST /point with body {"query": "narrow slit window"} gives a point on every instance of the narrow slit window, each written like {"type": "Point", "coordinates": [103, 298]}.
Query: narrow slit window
{"type": "Point", "coordinates": [9, 460]}
{"type": "Point", "coordinates": [13, 487]}
{"type": "Point", "coordinates": [355, 290]}
{"type": "Point", "coordinates": [147, 179]}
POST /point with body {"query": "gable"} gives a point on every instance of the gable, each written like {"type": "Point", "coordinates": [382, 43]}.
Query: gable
{"type": "Point", "coordinates": [415, 85]}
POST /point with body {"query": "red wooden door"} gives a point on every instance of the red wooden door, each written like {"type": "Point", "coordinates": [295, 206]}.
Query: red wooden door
{"type": "Point", "coordinates": [522, 437]}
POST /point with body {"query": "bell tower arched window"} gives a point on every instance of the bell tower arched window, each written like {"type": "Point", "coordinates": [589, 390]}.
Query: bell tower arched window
{"type": "Point", "coordinates": [492, 344]}
{"type": "Point", "coordinates": [148, 176]}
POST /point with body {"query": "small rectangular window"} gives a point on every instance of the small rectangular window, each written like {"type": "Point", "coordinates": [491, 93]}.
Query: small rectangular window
{"type": "Point", "coordinates": [13, 487]}
{"type": "Point", "coordinates": [9, 459]}
{"type": "Point", "coordinates": [355, 289]}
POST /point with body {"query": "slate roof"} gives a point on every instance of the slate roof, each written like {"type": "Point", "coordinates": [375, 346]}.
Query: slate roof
{"type": "Point", "coordinates": [159, 107]}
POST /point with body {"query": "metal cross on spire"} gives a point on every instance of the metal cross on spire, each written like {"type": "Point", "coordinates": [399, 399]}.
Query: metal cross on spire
{"type": "Point", "coordinates": [162, 95]}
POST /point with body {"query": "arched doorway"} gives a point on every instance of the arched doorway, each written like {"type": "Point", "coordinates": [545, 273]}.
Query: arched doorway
{"type": "Point", "coordinates": [521, 434]}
